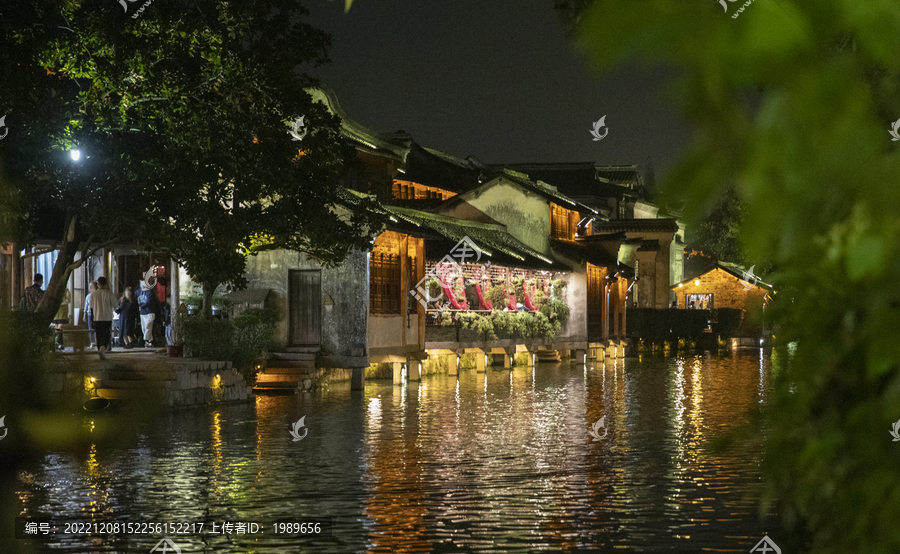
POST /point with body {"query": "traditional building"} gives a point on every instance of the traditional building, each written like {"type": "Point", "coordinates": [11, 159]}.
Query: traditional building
{"type": "Point", "coordinates": [724, 285]}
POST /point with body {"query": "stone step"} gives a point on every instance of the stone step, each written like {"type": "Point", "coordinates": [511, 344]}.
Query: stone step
{"type": "Point", "coordinates": [292, 364]}
{"type": "Point", "coordinates": [548, 356]}
{"type": "Point", "coordinates": [283, 387]}
{"type": "Point", "coordinates": [288, 370]}
{"type": "Point", "coordinates": [298, 356]}
{"type": "Point", "coordinates": [129, 383]}
{"type": "Point", "coordinates": [278, 377]}
{"type": "Point", "coordinates": [121, 393]}
{"type": "Point", "coordinates": [142, 376]}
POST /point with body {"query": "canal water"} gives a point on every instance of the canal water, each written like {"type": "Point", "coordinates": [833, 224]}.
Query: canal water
{"type": "Point", "coordinates": [501, 461]}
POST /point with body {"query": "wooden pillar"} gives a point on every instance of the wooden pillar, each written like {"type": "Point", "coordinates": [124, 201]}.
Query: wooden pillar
{"type": "Point", "coordinates": [398, 373]}
{"type": "Point", "coordinates": [479, 361]}
{"type": "Point", "coordinates": [174, 286]}
{"type": "Point", "coordinates": [581, 356]}
{"type": "Point", "coordinates": [420, 274]}
{"type": "Point", "coordinates": [404, 286]}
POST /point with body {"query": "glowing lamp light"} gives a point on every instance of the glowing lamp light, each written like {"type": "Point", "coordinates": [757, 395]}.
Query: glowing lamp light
{"type": "Point", "coordinates": [76, 154]}
{"type": "Point", "coordinates": [680, 285]}
{"type": "Point", "coordinates": [696, 282]}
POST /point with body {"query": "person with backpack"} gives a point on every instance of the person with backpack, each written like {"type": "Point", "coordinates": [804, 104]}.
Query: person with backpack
{"type": "Point", "coordinates": [148, 303]}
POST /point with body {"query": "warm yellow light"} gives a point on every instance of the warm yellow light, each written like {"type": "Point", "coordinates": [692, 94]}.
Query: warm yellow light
{"type": "Point", "coordinates": [92, 379]}
{"type": "Point", "coordinates": [680, 285]}
{"type": "Point", "coordinates": [696, 282]}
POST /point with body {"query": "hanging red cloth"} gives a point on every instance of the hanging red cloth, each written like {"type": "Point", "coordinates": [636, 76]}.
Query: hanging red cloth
{"type": "Point", "coordinates": [442, 278]}
{"type": "Point", "coordinates": [485, 305]}
{"type": "Point", "coordinates": [527, 298]}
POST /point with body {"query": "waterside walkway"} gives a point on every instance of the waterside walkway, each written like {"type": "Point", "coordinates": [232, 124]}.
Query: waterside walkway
{"type": "Point", "coordinates": [146, 373]}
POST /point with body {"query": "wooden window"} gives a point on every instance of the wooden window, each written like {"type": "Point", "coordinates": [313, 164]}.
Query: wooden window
{"type": "Point", "coordinates": [562, 225]}
{"type": "Point", "coordinates": [384, 283]}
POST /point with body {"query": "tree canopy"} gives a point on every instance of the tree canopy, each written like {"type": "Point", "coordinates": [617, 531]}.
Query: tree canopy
{"type": "Point", "coordinates": [795, 102]}
{"type": "Point", "coordinates": [182, 111]}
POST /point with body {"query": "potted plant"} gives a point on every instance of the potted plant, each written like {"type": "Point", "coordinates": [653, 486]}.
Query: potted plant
{"type": "Point", "coordinates": [174, 345]}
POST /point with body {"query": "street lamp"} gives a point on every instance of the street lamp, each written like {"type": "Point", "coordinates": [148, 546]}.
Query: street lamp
{"type": "Point", "coordinates": [76, 154]}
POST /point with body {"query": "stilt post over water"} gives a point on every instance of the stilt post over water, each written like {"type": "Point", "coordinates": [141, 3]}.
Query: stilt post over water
{"type": "Point", "coordinates": [452, 364]}
{"type": "Point", "coordinates": [357, 378]}
{"type": "Point", "coordinates": [398, 372]}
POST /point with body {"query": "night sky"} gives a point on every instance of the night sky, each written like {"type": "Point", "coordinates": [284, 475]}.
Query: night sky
{"type": "Point", "coordinates": [500, 81]}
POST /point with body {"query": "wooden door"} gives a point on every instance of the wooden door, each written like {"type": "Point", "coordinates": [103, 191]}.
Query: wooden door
{"type": "Point", "coordinates": [305, 300]}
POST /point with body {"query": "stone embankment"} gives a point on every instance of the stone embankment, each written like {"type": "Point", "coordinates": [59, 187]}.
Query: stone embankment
{"type": "Point", "coordinates": [175, 382]}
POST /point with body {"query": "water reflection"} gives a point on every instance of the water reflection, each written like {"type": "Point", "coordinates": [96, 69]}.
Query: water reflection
{"type": "Point", "coordinates": [500, 461]}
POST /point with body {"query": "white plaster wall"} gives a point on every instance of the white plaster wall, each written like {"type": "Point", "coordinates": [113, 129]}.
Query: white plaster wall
{"type": "Point", "coordinates": [576, 298]}
{"type": "Point", "coordinates": [525, 214]}
{"type": "Point", "coordinates": [643, 210]}
{"type": "Point", "coordinates": [386, 331]}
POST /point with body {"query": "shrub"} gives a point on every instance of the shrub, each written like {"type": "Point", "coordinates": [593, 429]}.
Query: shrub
{"type": "Point", "coordinates": [207, 338]}
{"type": "Point", "coordinates": [30, 334]}
{"type": "Point", "coordinates": [244, 341]}
{"type": "Point", "coordinates": [253, 334]}
{"type": "Point", "coordinates": [479, 323]}
{"type": "Point", "coordinates": [497, 296]}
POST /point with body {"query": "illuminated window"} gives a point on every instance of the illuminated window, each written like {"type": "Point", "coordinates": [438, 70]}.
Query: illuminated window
{"type": "Point", "coordinates": [563, 222]}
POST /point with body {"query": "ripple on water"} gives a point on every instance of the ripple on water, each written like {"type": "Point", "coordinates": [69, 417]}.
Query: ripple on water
{"type": "Point", "coordinates": [497, 462]}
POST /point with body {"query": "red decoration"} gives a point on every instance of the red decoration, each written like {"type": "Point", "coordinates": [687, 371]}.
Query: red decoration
{"type": "Point", "coordinates": [527, 297]}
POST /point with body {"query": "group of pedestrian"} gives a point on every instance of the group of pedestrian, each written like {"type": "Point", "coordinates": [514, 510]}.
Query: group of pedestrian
{"type": "Point", "coordinates": [138, 313]}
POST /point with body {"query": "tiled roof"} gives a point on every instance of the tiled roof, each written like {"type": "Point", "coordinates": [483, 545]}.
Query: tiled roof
{"type": "Point", "coordinates": [436, 169]}
{"type": "Point", "coordinates": [582, 252]}
{"type": "Point", "coordinates": [586, 179]}
{"type": "Point", "coordinates": [637, 225]}
{"type": "Point", "coordinates": [735, 270]}
{"type": "Point", "coordinates": [547, 191]}
{"type": "Point", "coordinates": [493, 240]}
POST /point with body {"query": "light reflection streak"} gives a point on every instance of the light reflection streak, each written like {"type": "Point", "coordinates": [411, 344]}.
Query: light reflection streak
{"type": "Point", "coordinates": [216, 429]}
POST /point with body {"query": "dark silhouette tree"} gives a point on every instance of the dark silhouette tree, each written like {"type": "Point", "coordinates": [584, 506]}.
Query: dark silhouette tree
{"type": "Point", "coordinates": [183, 113]}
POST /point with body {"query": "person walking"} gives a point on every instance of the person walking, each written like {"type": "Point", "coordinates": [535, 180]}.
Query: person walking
{"type": "Point", "coordinates": [103, 304]}
{"type": "Point", "coordinates": [128, 315]}
{"type": "Point", "coordinates": [34, 293]}
{"type": "Point", "coordinates": [146, 299]}
{"type": "Point", "coordinates": [88, 313]}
